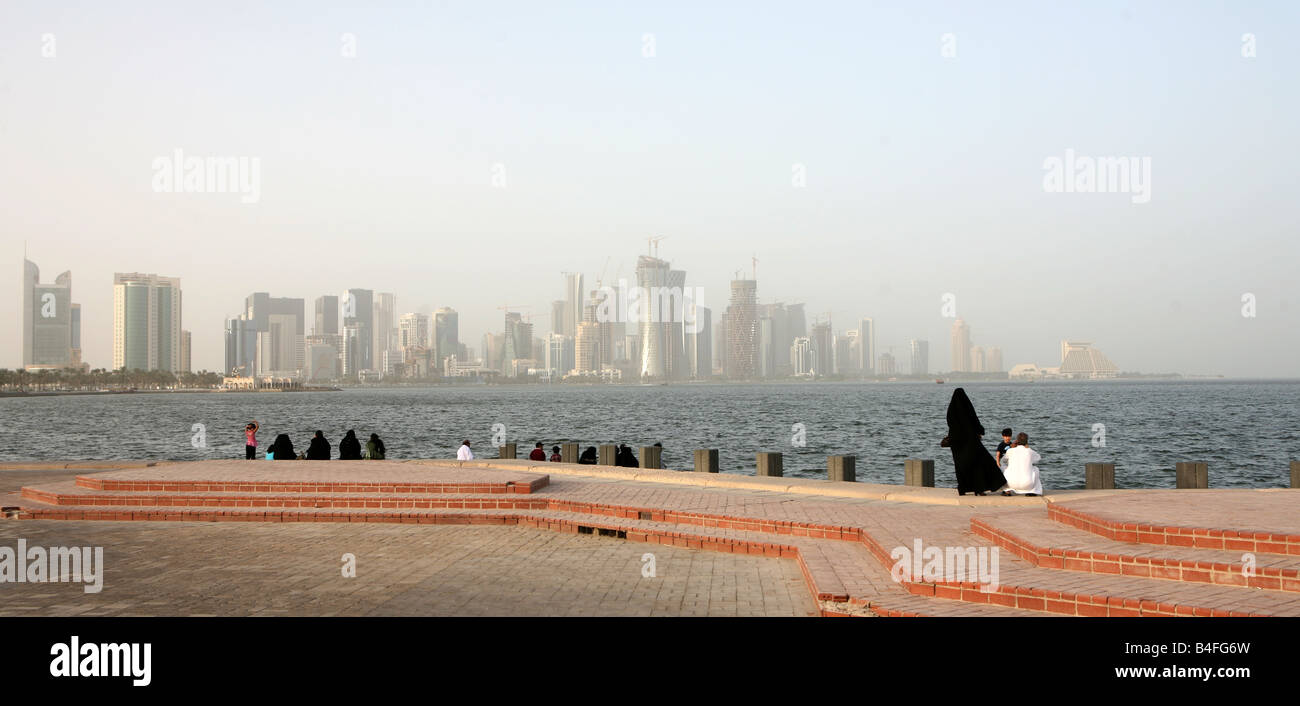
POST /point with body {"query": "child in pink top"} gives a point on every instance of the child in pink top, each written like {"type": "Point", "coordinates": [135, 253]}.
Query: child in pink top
{"type": "Point", "coordinates": [250, 440]}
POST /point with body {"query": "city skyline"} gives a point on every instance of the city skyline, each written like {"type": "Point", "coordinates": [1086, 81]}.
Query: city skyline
{"type": "Point", "coordinates": [873, 166]}
{"type": "Point", "coordinates": [839, 350]}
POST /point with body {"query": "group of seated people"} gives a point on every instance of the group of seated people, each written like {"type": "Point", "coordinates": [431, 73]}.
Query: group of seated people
{"type": "Point", "coordinates": [319, 449]}
{"type": "Point", "coordinates": [622, 457]}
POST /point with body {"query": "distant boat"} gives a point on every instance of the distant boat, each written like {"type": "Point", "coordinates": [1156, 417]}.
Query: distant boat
{"type": "Point", "coordinates": [937, 381]}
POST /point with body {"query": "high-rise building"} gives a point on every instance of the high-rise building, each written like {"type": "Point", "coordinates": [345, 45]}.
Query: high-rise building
{"type": "Point", "coordinates": [575, 299]}
{"type": "Point", "coordinates": [798, 322]}
{"type": "Point", "coordinates": [517, 340]}
{"type": "Point", "coordinates": [241, 346]}
{"type": "Point", "coordinates": [493, 349]}
{"type": "Point", "coordinates": [742, 331]}
{"type": "Point", "coordinates": [977, 360]}
{"type": "Point", "coordinates": [355, 342]}
{"type": "Point", "coordinates": [960, 346]}
{"type": "Point", "coordinates": [280, 349]}
{"type": "Point", "coordinates": [324, 357]}
{"type": "Point", "coordinates": [146, 322]}
{"type": "Point", "coordinates": [327, 315]}
{"type": "Point", "coordinates": [802, 356]}
{"type": "Point", "coordinates": [412, 332]}
{"type": "Point", "coordinates": [823, 346]}
{"type": "Point", "coordinates": [774, 346]}
{"type": "Point", "coordinates": [661, 309]}
{"type": "Point", "coordinates": [867, 347]}
{"type": "Point", "coordinates": [920, 357]}
{"type": "Point", "coordinates": [559, 310]}
{"type": "Point", "coordinates": [720, 330]}
{"type": "Point", "coordinates": [587, 348]}
{"type": "Point", "coordinates": [559, 355]}
{"type": "Point", "coordinates": [385, 322]}
{"type": "Point", "coordinates": [186, 351]}
{"type": "Point", "coordinates": [47, 319]}
{"type": "Point", "coordinates": [446, 333]}
{"type": "Point", "coordinates": [607, 308]}
{"type": "Point", "coordinates": [76, 335]}
{"type": "Point", "coordinates": [357, 312]}
{"type": "Point", "coordinates": [699, 342]}
{"type": "Point", "coordinates": [845, 362]}
{"type": "Point", "coordinates": [885, 365]}
{"type": "Point", "coordinates": [993, 358]}
{"type": "Point", "coordinates": [260, 306]}
{"type": "Point", "coordinates": [766, 348]}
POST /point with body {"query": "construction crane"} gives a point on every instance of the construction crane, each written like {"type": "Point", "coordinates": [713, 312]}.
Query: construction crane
{"type": "Point", "coordinates": [654, 243]}
{"type": "Point", "coordinates": [755, 266]}
{"type": "Point", "coordinates": [527, 318]}
{"type": "Point", "coordinates": [511, 307]}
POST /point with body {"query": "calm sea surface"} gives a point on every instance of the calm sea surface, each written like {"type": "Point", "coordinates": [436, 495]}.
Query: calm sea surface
{"type": "Point", "coordinates": [1248, 431]}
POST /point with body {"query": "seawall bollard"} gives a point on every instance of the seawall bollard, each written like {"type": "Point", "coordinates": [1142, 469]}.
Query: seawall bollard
{"type": "Point", "coordinates": [769, 464]}
{"type": "Point", "coordinates": [1099, 476]}
{"type": "Point", "coordinates": [706, 460]}
{"type": "Point", "coordinates": [652, 456]}
{"type": "Point", "coordinates": [919, 472]}
{"type": "Point", "coordinates": [842, 468]}
{"type": "Point", "coordinates": [569, 453]}
{"type": "Point", "coordinates": [605, 454]}
{"type": "Point", "coordinates": [506, 451]}
{"type": "Point", "coordinates": [1192, 474]}
{"type": "Point", "coordinates": [1295, 474]}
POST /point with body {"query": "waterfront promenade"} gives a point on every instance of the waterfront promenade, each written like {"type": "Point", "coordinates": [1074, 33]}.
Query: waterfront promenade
{"type": "Point", "coordinates": [505, 537]}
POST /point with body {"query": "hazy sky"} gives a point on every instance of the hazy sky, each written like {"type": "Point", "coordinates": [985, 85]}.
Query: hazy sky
{"type": "Point", "coordinates": [924, 172]}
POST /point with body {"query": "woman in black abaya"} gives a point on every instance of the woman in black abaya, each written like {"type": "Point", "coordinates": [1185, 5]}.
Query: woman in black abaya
{"type": "Point", "coordinates": [977, 472]}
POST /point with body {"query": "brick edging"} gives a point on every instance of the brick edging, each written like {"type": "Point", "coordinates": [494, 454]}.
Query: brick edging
{"type": "Point", "coordinates": [679, 539]}
{"type": "Point", "coordinates": [1185, 570]}
{"type": "Point", "coordinates": [1197, 537]}
{"type": "Point", "coordinates": [1020, 597]}
{"type": "Point", "coordinates": [124, 485]}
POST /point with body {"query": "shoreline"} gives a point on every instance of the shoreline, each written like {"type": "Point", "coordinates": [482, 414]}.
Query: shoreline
{"type": "Point", "coordinates": [99, 393]}
{"type": "Point", "coordinates": [685, 383]}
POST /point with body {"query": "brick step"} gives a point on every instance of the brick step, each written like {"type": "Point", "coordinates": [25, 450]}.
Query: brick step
{"type": "Point", "coordinates": [837, 572]}
{"type": "Point", "coordinates": [1020, 584]}
{"type": "Point", "coordinates": [1052, 545]}
{"type": "Point", "coordinates": [316, 477]}
{"type": "Point", "coordinates": [1095, 595]}
{"type": "Point", "coordinates": [862, 576]}
{"type": "Point", "coordinates": [71, 495]}
{"type": "Point", "coordinates": [1106, 524]}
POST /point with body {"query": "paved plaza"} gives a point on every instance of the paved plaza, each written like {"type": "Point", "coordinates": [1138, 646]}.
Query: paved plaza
{"type": "Point", "coordinates": [229, 569]}
{"type": "Point", "coordinates": [519, 538]}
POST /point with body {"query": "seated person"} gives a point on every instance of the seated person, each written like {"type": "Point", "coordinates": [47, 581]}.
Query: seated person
{"type": "Point", "coordinates": [1022, 474]}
